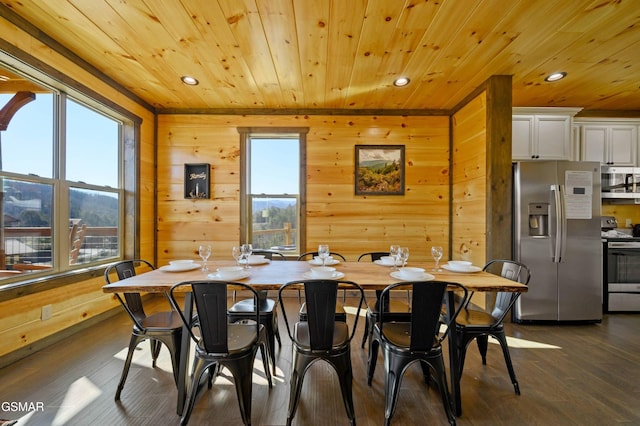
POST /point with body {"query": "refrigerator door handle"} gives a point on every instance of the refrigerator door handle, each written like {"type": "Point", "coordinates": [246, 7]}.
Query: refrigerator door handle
{"type": "Point", "coordinates": [557, 242]}
{"type": "Point", "coordinates": [563, 222]}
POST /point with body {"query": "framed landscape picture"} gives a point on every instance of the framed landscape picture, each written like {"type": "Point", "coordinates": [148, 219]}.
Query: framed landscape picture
{"type": "Point", "coordinates": [379, 170]}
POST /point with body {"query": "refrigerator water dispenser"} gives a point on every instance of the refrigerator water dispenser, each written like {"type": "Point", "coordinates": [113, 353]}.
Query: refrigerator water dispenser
{"type": "Point", "coordinates": [539, 219]}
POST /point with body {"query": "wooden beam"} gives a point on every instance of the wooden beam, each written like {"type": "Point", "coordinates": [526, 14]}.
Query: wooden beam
{"type": "Point", "coordinates": [499, 185]}
{"type": "Point", "coordinates": [18, 100]}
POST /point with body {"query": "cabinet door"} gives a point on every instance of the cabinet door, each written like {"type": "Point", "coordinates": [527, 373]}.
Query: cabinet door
{"type": "Point", "coordinates": [553, 136]}
{"type": "Point", "coordinates": [594, 144]}
{"type": "Point", "coordinates": [623, 145]}
{"type": "Point", "coordinates": [522, 137]}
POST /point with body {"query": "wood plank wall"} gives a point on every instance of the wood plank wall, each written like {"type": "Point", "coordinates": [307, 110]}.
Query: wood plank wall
{"type": "Point", "coordinates": [469, 177]}
{"type": "Point", "coordinates": [21, 329]}
{"type": "Point", "coordinates": [350, 224]}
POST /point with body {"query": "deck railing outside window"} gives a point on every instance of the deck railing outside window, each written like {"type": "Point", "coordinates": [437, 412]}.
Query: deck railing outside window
{"type": "Point", "coordinates": [32, 246]}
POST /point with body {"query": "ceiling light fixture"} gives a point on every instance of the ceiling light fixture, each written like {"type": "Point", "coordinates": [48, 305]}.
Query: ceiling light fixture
{"type": "Point", "coordinates": [401, 81]}
{"type": "Point", "coordinates": [190, 81]}
{"type": "Point", "coordinates": [555, 76]}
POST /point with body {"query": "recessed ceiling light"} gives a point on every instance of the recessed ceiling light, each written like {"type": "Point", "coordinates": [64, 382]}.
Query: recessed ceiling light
{"type": "Point", "coordinates": [555, 76]}
{"type": "Point", "coordinates": [191, 81]}
{"type": "Point", "coordinates": [401, 81]}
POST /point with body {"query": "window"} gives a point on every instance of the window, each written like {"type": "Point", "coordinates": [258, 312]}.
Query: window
{"type": "Point", "coordinates": [273, 189]}
{"type": "Point", "coordinates": [60, 176]}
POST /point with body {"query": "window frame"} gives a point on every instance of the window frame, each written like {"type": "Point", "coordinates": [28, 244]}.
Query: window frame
{"type": "Point", "coordinates": [246, 133]}
{"type": "Point", "coordinates": [63, 89]}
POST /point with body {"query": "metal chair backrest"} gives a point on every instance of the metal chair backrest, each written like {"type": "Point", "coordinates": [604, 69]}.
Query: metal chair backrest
{"type": "Point", "coordinates": [211, 298]}
{"type": "Point", "coordinates": [133, 301]}
{"type": "Point", "coordinates": [321, 308]}
{"type": "Point", "coordinates": [511, 270]}
{"type": "Point", "coordinates": [426, 309]}
{"type": "Point", "coordinates": [321, 298]}
{"type": "Point", "coordinates": [373, 255]}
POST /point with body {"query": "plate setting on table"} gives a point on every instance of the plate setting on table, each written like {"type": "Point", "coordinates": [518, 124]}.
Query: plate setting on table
{"type": "Point", "coordinates": [386, 261]}
{"type": "Point", "coordinates": [328, 262]}
{"type": "Point", "coordinates": [461, 266]}
{"type": "Point", "coordinates": [412, 274]}
{"type": "Point", "coordinates": [323, 273]}
{"type": "Point", "coordinates": [255, 259]}
{"type": "Point", "coordinates": [180, 266]}
{"type": "Point", "coordinates": [335, 276]}
{"type": "Point", "coordinates": [229, 273]}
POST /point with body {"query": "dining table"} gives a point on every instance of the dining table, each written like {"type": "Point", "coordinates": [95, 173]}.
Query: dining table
{"type": "Point", "coordinates": [271, 275]}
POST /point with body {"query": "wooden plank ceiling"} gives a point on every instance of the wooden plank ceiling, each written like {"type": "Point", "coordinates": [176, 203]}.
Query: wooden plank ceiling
{"type": "Point", "coordinates": [344, 54]}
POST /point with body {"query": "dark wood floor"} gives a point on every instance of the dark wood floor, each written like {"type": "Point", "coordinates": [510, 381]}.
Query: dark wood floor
{"type": "Point", "coordinates": [568, 374]}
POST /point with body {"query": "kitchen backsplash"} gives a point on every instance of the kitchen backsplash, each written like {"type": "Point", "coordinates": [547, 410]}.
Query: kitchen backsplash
{"type": "Point", "coordinates": [622, 212]}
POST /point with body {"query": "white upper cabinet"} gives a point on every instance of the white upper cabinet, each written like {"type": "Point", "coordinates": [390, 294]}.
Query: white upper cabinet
{"type": "Point", "coordinates": [613, 144]}
{"type": "Point", "coordinates": [542, 133]}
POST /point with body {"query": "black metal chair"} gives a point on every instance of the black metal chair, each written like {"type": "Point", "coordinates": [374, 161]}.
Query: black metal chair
{"type": "Point", "coordinates": [245, 309]}
{"type": "Point", "coordinates": [372, 312]}
{"type": "Point", "coordinates": [475, 324]}
{"type": "Point", "coordinates": [222, 344]}
{"type": "Point", "coordinates": [159, 327]}
{"type": "Point", "coordinates": [321, 337]}
{"type": "Point", "coordinates": [418, 339]}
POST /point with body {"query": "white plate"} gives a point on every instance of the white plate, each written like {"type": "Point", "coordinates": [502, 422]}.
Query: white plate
{"type": "Point", "coordinates": [424, 277]}
{"type": "Point", "coordinates": [381, 263]}
{"type": "Point", "coordinates": [465, 270]}
{"type": "Point", "coordinates": [255, 261]}
{"type": "Point", "coordinates": [328, 262]}
{"type": "Point", "coordinates": [180, 267]}
{"type": "Point", "coordinates": [336, 276]}
{"type": "Point", "coordinates": [240, 276]}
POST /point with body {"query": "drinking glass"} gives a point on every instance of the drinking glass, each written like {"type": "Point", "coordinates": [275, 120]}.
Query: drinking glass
{"type": "Point", "coordinates": [393, 252]}
{"type": "Point", "coordinates": [323, 252]}
{"type": "Point", "coordinates": [204, 251]}
{"type": "Point", "coordinates": [236, 253]}
{"type": "Point", "coordinates": [436, 252]}
{"type": "Point", "coordinates": [246, 250]}
{"type": "Point", "coordinates": [403, 255]}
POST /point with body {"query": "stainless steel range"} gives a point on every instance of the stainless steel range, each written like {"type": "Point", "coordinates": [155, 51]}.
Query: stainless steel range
{"type": "Point", "coordinates": [621, 269]}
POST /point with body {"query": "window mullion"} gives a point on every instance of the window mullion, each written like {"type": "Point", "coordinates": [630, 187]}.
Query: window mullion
{"type": "Point", "coordinates": [61, 187]}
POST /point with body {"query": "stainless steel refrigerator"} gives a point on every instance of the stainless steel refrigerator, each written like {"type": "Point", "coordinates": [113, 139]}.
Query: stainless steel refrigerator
{"type": "Point", "coordinates": [557, 210]}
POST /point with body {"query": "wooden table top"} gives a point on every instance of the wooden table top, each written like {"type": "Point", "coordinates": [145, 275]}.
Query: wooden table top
{"type": "Point", "coordinates": [272, 275]}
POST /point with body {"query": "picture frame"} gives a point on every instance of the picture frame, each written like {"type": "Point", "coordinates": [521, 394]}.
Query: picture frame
{"type": "Point", "coordinates": [379, 170]}
{"type": "Point", "coordinates": [196, 181]}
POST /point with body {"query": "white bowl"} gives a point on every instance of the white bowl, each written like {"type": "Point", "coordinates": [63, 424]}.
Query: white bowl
{"type": "Point", "coordinates": [227, 272]}
{"type": "Point", "coordinates": [182, 262]}
{"type": "Point", "coordinates": [387, 260]}
{"type": "Point", "coordinates": [322, 272]}
{"type": "Point", "coordinates": [411, 273]}
{"type": "Point", "coordinates": [256, 258]}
